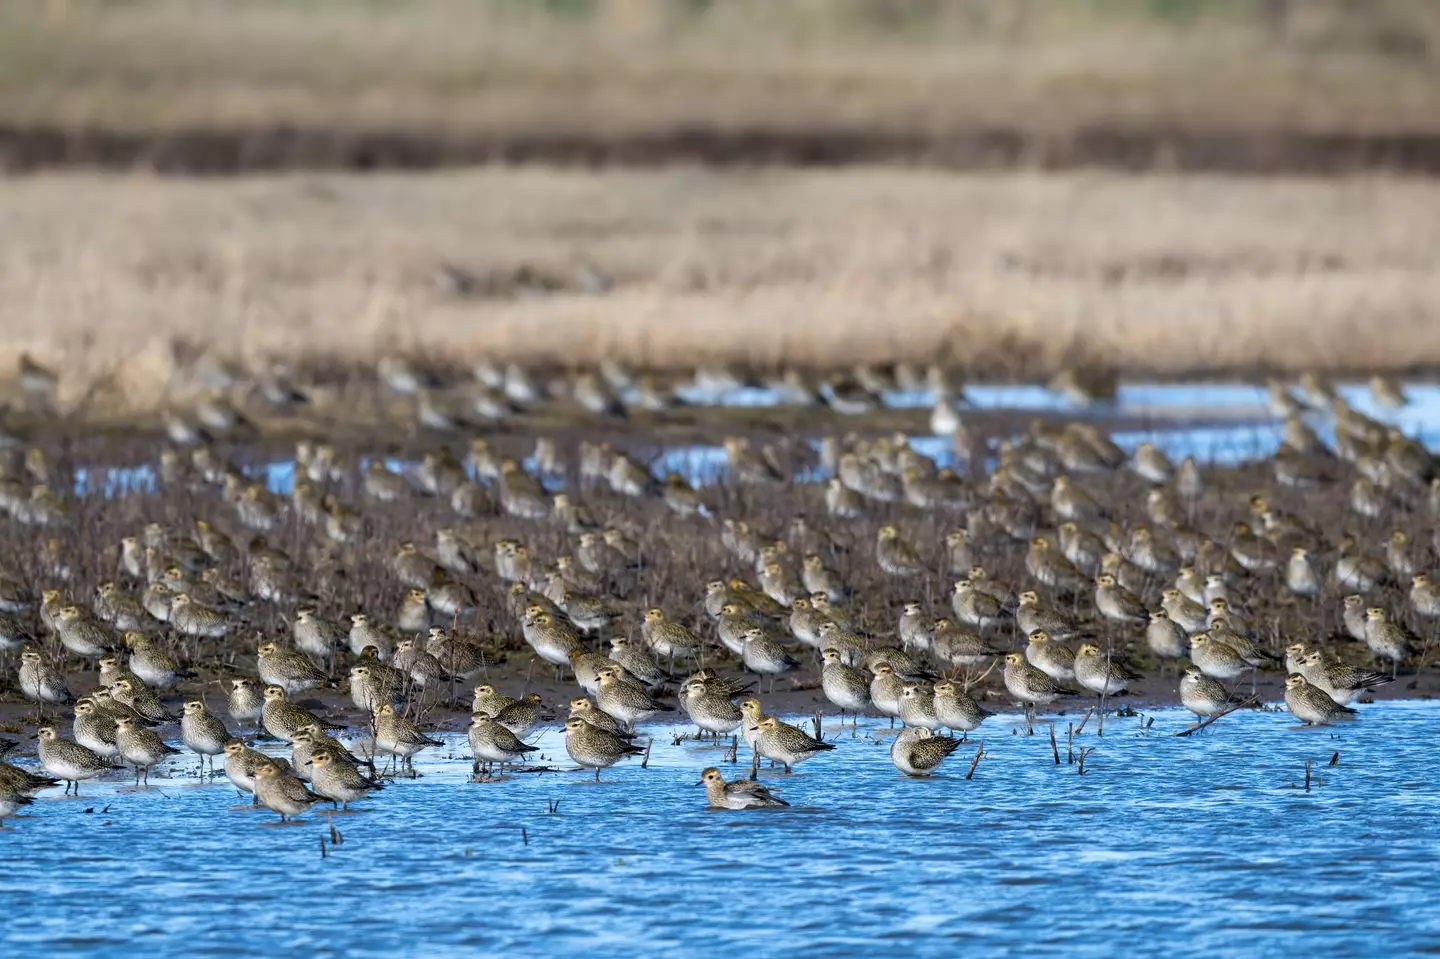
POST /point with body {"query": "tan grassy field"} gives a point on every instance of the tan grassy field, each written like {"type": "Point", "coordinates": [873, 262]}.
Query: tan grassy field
{"type": "Point", "coordinates": [1005, 274]}
{"type": "Point", "coordinates": [621, 67]}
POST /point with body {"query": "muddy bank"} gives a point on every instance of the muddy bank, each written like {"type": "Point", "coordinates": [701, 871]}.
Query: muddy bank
{"type": "Point", "coordinates": [226, 151]}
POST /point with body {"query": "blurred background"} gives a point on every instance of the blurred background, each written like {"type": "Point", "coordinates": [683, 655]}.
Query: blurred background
{"type": "Point", "coordinates": [1179, 187]}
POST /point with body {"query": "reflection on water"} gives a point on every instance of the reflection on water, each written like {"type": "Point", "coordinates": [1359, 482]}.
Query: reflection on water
{"type": "Point", "coordinates": [1208, 844]}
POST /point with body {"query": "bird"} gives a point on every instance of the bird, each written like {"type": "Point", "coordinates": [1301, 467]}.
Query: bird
{"type": "Point", "coordinates": [240, 764]}
{"type": "Point", "coordinates": [886, 688]}
{"type": "Point", "coordinates": [417, 665]}
{"type": "Point", "coordinates": [623, 699]}
{"type": "Point", "coordinates": [23, 782]}
{"type": "Point", "coordinates": [1215, 660]}
{"type": "Point", "coordinates": [1311, 704]}
{"type": "Point", "coordinates": [68, 760]}
{"type": "Point", "coordinates": [1386, 639]}
{"type": "Point", "coordinates": [1051, 658]}
{"type": "Point", "coordinates": [786, 744]}
{"type": "Point", "coordinates": [368, 691]}
{"type": "Point", "coordinates": [282, 719]}
{"type": "Point", "coordinates": [1341, 681]}
{"type": "Point", "coordinates": [338, 781]}
{"type": "Point", "coordinates": [140, 748]}
{"type": "Point", "coordinates": [908, 667]}
{"type": "Point", "coordinates": [1184, 611]}
{"type": "Point", "coordinates": [81, 634]}
{"type": "Point", "coordinates": [279, 790]}
{"type": "Point", "coordinates": [819, 578]}
{"type": "Point", "coordinates": [1166, 638]}
{"type": "Point", "coordinates": [1031, 616]}
{"type": "Point", "coordinates": [667, 637]}
{"type": "Point", "coordinates": [202, 732]}
{"type": "Point", "coordinates": [919, 752]}
{"type": "Point", "coordinates": [914, 628]}
{"type": "Point", "coordinates": [636, 660]}
{"type": "Point", "coordinates": [895, 556]}
{"type": "Point", "coordinates": [154, 666]}
{"type": "Point", "coordinates": [398, 736]}
{"type": "Point", "coordinates": [552, 639]}
{"type": "Point", "coordinates": [582, 706]}
{"type": "Point", "coordinates": [1116, 603]}
{"type": "Point", "coordinates": [143, 704]}
{"type": "Point", "coordinates": [1424, 596]}
{"type": "Point", "coordinates": [41, 683]}
{"type": "Point", "coordinates": [491, 742]}
{"type": "Point", "coordinates": [1101, 673]}
{"type": "Point", "coordinates": [710, 709]}
{"type": "Point", "coordinates": [488, 701]}
{"type": "Point", "coordinates": [917, 706]}
{"type": "Point", "coordinates": [973, 607]}
{"type": "Point", "coordinates": [959, 647]}
{"type": "Point", "coordinates": [455, 655]}
{"type": "Point", "coordinates": [765, 656]}
{"type": "Point", "coordinates": [192, 618]}
{"type": "Point", "coordinates": [737, 794]}
{"type": "Point", "coordinates": [845, 686]}
{"type": "Point", "coordinates": [1203, 695]}
{"type": "Point", "coordinates": [246, 700]}
{"type": "Point", "coordinates": [956, 710]}
{"type": "Point", "coordinates": [290, 671]}
{"type": "Point", "coordinates": [1030, 686]}
{"type": "Point", "coordinates": [521, 715]}
{"type": "Point", "coordinates": [11, 801]}
{"type": "Point", "coordinates": [595, 748]}
{"type": "Point", "coordinates": [316, 635]}
{"type": "Point", "coordinates": [94, 728]}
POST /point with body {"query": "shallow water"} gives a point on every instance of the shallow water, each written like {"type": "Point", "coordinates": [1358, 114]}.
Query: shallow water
{"type": "Point", "coordinates": [1252, 431]}
{"type": "Point", "coordinates": [1204, 845]}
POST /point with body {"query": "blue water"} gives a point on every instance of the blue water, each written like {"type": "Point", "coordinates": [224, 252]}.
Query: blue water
{"type": "Point", "coordinates": [1208, 844]}
{"type": "Point", "coordinates": [1254, 434]}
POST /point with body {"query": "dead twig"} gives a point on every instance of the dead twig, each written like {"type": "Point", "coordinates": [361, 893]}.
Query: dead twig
{"type": "Point", "coordinates": [1188, 730]}
{"type": "Point", "coordinates": [979, 754]}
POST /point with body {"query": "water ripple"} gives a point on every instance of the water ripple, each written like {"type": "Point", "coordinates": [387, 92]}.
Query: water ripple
{"type": "Point", "coordinates": [1202, 845]}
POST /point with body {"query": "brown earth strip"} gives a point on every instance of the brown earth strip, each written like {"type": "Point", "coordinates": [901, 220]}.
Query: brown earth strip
{"type": "Point", "coordinates": [225, 151]}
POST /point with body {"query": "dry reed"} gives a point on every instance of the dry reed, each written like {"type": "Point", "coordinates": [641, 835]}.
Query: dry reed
{"type": "Point", "coordinates": [624, 66]}
{"type": "Point", "coordinates": [1005, 274]}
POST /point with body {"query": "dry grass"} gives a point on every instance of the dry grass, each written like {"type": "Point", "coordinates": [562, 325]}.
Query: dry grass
{"type": "Point", "coordinates": [613, 67]}
{"type": "Point", "coordinates": [1006, 274]}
